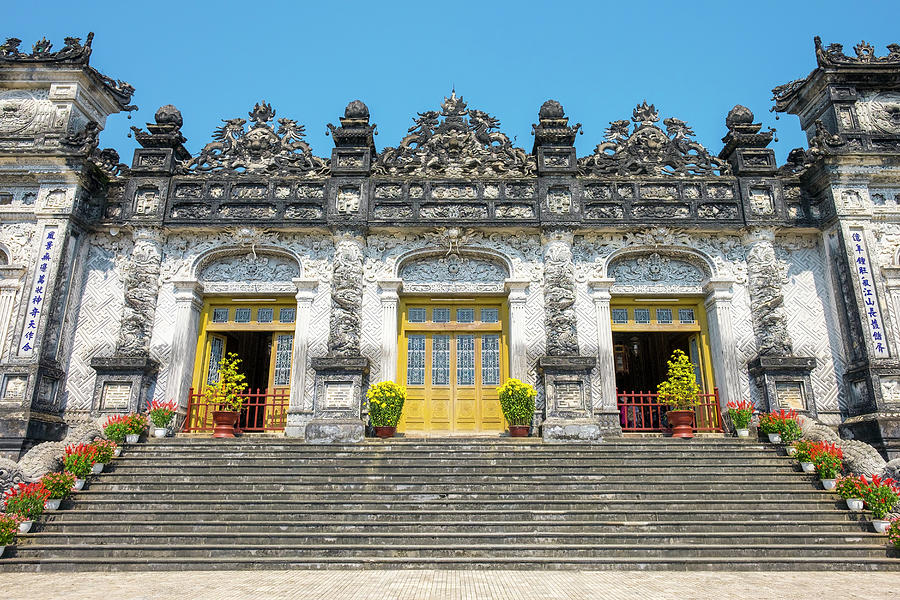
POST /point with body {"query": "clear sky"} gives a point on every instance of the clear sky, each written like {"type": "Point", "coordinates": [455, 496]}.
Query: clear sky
{"type": "Point", "coordinates": [693, 60]}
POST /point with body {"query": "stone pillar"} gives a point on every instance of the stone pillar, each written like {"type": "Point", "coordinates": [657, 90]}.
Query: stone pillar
{"type": "Point", "coordinates": [722, 343]}
{"type": "Point", "coordinates": [123, 380]}
{"type": "Point", "coordinates": [10, 283]}
{"type": "Point", "coordinates": [188, 303]}
{"type": "Point", "coordinates": [567, 375]}
{"type": "Point", "coordinates": [342, 376]}
{"type": "Point", "coordinates": [608, 408]}
{"type": "Point", "coordinates": [783, 377]}
{"type": "Point", "coordinates": [518, 357]}
{"type": "Point", "coordinates": [390, 300]}
{"type": "Point", "coordinates": [306, 293]}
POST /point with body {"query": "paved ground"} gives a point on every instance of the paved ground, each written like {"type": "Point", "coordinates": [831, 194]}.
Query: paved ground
{"type": "Point", "coordinates": [448, 585]}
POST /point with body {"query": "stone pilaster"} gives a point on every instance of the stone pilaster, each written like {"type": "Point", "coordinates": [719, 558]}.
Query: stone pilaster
{"type": "Point", "coordinates": [719, 294]}
{"type": "Point", "coordinates": [389, 290]}
{"type": "Point", "coordinates": [297, 417]}
{"type": "Point", "coordinates": [607, 408]}
{"type": "Point", "coordinates": [188, 303]}
{"type": "Point", "coordinates": [518, 359]}
{"type": "Point", "coordinates": [342, 376]}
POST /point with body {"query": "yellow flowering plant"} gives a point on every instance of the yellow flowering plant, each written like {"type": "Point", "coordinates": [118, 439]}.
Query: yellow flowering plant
{"type": "Point", "coordinates": [231, 384]}
{"type": "Point", "coordinates": [385, 403]}
{"type": "Point", "coordinates": [680, 390]}
{"type": "Point", "coordinates": [517, 401]}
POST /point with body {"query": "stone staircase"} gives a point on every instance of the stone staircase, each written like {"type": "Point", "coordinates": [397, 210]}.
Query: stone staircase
{"type": "Point", "coordinates": [632, 503]}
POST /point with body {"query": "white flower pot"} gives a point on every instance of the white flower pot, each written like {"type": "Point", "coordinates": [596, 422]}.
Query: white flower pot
{"type": "Point", "coordinates": [790, 450]}
{"type": "Point", "coordinates": [79, 484]}
{"type": "Point", "coordinates": [117, 451]}
{"type": "Point", "coordinates": [97, 468]}
{"type": "Point", "coordinates": [743, 433]}
{"type": "Point", "coordinates": [854, 504]}
{"type": "Point", "coordinates": [829, 484]}
{"type": "Point", "coordinates": [52, 503]}
{"type": "Point", "coordinates": [775, 438]}
{"type": "Point", "coordinates": [880, 525]}
{"type": "Point", "coordinates": [807, 467]}
{"type": "Point", "coordinates": [132, 438]}
{"type": "Point", "coordinates": [160, 432]}
{"type": "Point", "coordinates": [25, 526]}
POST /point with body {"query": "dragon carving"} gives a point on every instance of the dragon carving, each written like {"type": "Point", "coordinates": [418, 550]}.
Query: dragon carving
{"type": "Point", "coordinates": [648, 150]}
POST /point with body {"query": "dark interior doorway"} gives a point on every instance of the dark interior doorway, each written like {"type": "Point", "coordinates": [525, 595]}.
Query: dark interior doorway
{"type": "Point", "coordinates": [640, 358]}
{"type": "Point", "coordinates": [255, 351]}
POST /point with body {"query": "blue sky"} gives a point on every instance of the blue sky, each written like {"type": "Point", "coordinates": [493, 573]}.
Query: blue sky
{"type": "Point", "coordinates": [694, 61]}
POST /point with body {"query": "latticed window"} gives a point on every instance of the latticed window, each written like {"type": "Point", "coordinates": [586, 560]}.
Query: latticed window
{"type": "Point", "coordinates": [415, 360]}
{"type": "Point", "coordinates": [465, 315]}
{"type": "Point", "coordinates": [620, 315]}
{"type": "Point", "coordinates": [664, 316]}
{"type": "Point", "coordinates": [490, 315]}
{"type": "Point", "coordinates": [418, 315]}
{"type": "Point", "coordinates": [216, 348]}
{"type": "Point", "coordinates": [242, 315]}
{"type": "Point", "coordinates": [465, 359]}
{"type": "Point", "coordinates": [220, 315]}
{"type": "Point", "coordinates": [440, 315]}
{"type": "Point", "coordinates": [265, 315]}
{"type": "Point", "coordinates": [642, 315]}
{"type": "Point", "coordinates": [287, 315]}
{"type": "Point", "coordinates": [686, 315]}
{"type": "Point", "coordinates": [283, 350]}
{"type": "Point", "coordinates": [440, 360]}
{"type": "Point", "coordinates": [490, 360]}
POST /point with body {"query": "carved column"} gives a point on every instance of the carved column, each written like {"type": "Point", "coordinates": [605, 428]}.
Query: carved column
{"type": "Point", "coordinates": [306, 293]}
{"type": "Point", "coordinates": [722, 343]}
{"type": "Point", "coordinates": [783, 377]}
{"type": "Point", "coordinates": [609, 408]}
{"type": "Point", "coordinates": [390, 300]}
{"type": "Point", "coordinates": [567, 375]}
{"type": "Point", "coordinates": [188, 303]}
{"type": "Point", "coordinates": [123, 380]}
{"type": "Point", "coordinates": [342, 376]}
{"type": "Point", "coordinates": [518, 358]}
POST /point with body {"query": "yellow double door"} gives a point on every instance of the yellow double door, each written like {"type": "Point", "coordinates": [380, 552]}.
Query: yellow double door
{"type": "Point", "coordinates": [452, 367]}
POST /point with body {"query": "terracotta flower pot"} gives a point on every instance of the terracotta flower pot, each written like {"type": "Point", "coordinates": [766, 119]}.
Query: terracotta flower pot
{"type": "Point", "coordinates": [385, 431]}
{"type": "Point", "coordinates": [519, 430]}
{"type": "Point", "coordinates": [224, 421]}
{"type": "Point", "coordinates": [682, 422]}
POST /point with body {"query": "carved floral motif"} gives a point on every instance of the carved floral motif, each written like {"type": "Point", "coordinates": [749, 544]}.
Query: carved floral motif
{"type": "Point", "coordinates": [452, 268]}
{"type": "Point", "coordinates": [251, 268]}
{"type": "Point", "coordinates": [655, 269]}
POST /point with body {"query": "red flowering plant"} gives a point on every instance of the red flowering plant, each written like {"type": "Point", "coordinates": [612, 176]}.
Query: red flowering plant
{"type": "Point", "coordinates": [161, 413]}
{"type": "Point", "coordinates": [115, 428]}
{"type": "Point", "coordinates": [59, 484]}
{"type": "Point", "coordinates": [881, 495]}
{"type": "Point", "coordinates": [9, 527]}
{"type": "Point", "coordinates": [893, 533]}
{"type": "Point", "coordinates": [851, 486]}
{"type": "Point", "coordinates": [80, 459]}
{"type": "Point", "coordinates": [802, 449]}
{"type": "Point", "coordinates": [782, 422]}
{"type": "Point", "coordinates": [828, 459]}
{"type": "Point", "coordinates": [26, 500]}
{"type": "Point", "coordinates": [740, 413]}
{"type": "Point", "coordinates": [105, 450]}
{"type": "Point", "coordinates": [770, 423]}
{"type": "Point", "coordinates": [135, 424]}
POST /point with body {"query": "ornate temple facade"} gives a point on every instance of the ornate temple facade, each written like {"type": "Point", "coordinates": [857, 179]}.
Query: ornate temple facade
{"type": "Point", "coordinates": [448, 262]}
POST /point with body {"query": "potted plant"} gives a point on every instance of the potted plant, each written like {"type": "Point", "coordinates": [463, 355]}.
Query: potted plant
{"type": "Point", "coordinates": [385, 406]}
{"type": "Point", "coordinates": [801, 453]}
{"type": "Point", "coordinates": [517, 404]}
{"type": "Point", "coordinates": [740, 413]}
{"type": "Point", "coordinates": [829, 459]}
{"type": "Point", "coordinates": [893, 533]}
{"type": "Point", "coordinates": [161, 414]}
{"type": "Point", "coordinates": [26, 501]}
{"type": "Point", "coordinates": [851, 488]}
{"type": "Point", "coordinates": [106, 449]}
{"type": "Point", "coordinates": [789, 430]}
{"type": "Point", "coordinates": [225, 394]}
{"type": "Point", "coordinates": [881, 495]}
{"type": "Point", "coordinates": [79, 461]}
{"type": "Point", "coordinates": [135, 423]}
{"type": "Point", "coordinates": [60, 487]}
{"type": "Point", "coordinates": [115, 430]}
{"type": "Point", "coordinates": [9, 527]}
{"type": "Point", "coordinates": [681, 392]}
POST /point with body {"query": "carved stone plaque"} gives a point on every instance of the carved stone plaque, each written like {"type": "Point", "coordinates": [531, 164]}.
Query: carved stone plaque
{"type": "Point", "coordinates": [115, 396]}
{"type": "Point", "coordinates": [338, 395]}
{"type": "Point", "coordinates": [569, 395]}
{"type": "Point", "coordinates": [790, 395]}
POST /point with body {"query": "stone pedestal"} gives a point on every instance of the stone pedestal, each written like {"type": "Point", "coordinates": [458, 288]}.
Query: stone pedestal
{"type": "Point", "coordinates": [337, 404]}
{"type": "Point", "coordinates": [122, 384]}
{"type": "Point", "coordinates": [880, 430]}
{"type": "Point", "coordinates": [785, 382]}
{"type": "Point", "coordinates": [568, 408]}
